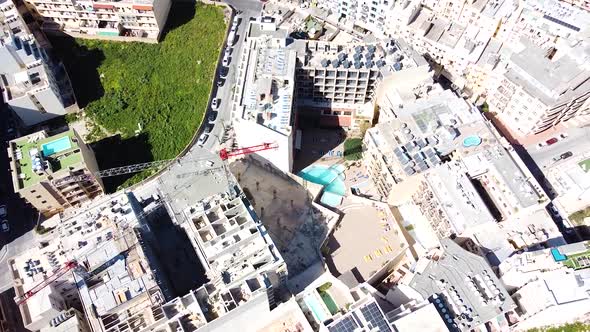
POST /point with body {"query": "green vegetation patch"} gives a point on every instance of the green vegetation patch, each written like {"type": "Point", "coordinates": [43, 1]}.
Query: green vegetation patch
{"type": "Point", "coordinates": [573, 327]}
{"type": "Point", "coordinates": [579, 216]}
{"type": "Point", "coordinates": [585, 164]}
{"type": "Point", "coordinates": [353, 149]}
{"type": "Point", "coordinates": [324, 287]}
{"type": "Point", "coordinates": [572, 260]}
{"type": "Point", "coordinates": [156, 91]}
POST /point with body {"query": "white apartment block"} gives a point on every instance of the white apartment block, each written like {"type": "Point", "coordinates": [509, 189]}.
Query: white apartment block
{"type": "Point", "coordinates": [534, 92]}
{"type": "Point", "coordinates": [263, 100]}
{"type": "Point", "coordinates": [139, 19]}
{"type": "Point", "coordinates": [551, 287]}
{"type": "Point", "coordinates": [366, 14]}
{"type": "Point", "coordinates": [35, 87]}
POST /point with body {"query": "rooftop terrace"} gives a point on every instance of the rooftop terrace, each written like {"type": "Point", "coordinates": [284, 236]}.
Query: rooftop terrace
{"type": "Point", "coordinates": [268, 85]}
{"type": "Point", "coordinates": [38, 156]}
{"type": "Point", "coordinates": [385, 56]}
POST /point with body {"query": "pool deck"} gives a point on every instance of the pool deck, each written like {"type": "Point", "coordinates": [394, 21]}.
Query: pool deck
{"type": "Point", "coordinates": [25, 147]}
{"type": "Point", "coordinates": [363, 241]}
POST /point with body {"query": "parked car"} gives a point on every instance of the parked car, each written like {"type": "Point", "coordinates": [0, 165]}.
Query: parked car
{"type": "Point", "coordinates": [226, 61]}
{"type": "Point", "coordinates": [3, 211]}
{"type": "Point", "coordinates": [220, 82]}
{"type": "Point", "coordinates": [236, 20]}
{"type": "Point", "coordinates": [212, 116]}
{"type": "Point", "coordinates": [563, 135]}
{"type": "Point", "coordinates": [566, 155]}
{"type": "Point", "coordinates": [551, 141]}
{"type": "Point", "coordinates": [227, 52]}
{"type": "Point", "coordinates": [231, 38]}
{"type": "Point", "coordinates": [223, 72]}
{"type": "Point", "coordinates": [553, 211]}
{"type": "Point", "coordinates": [215, 103]}
{"type": "Point", "coordinates": [202, 139]}
{"type": "Point", "coordinates": [562, 156]}
{"type": "Point", "coordinates": [208, 128]}
{"type": "Point", "coordinates": [5, 227]}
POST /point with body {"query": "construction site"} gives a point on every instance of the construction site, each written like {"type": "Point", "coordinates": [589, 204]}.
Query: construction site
{"type": "Point", "coordinates": [185, 251]}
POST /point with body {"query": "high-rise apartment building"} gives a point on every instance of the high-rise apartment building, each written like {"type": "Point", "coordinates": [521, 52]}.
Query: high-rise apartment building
{"type": "Point", "coordinates": [534, 92]}
{"type": "Point", "coordinates": [339, 82]}
{"type": "Point", "coordinates": [34, 86]}
{"type": "Point", "coordinates": [111, 19]}
{"type": "Point", "coordinates": [38, 161]}
{"type": "Point", "coordinates": [366, 14]}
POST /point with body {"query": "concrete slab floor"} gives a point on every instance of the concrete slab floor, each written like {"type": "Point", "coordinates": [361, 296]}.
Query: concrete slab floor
{"type": "Point", "coordinates": [285, 208]}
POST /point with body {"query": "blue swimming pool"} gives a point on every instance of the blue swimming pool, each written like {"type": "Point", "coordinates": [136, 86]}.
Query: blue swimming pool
{"type": "Point", "coordinates": [472, 140]}
{"type": "Point", "coordinates": [557, 256]}
{"type": "Point", "coordinates": [316, 307]}
{"type": "Point", "coordinates": [331, 177]}
{"type": "Point", "coordinates": [56, 146]}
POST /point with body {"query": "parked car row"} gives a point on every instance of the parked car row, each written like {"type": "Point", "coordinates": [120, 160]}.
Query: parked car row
{"type": "Point", "coordinates": [552, 140]}
{"type": "Point", "coordinates": [223, 72]}
{"type": "Point", "coordinates": [3, 214]}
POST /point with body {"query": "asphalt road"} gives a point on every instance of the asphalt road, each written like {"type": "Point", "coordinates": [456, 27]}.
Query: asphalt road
{"type": "Point", "coordinates": [245, 10]}
{"type": "Point", "coordinates": [578, 142]}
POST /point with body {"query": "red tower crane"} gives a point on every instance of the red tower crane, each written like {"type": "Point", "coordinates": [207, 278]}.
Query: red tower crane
{"type": "Point", "coordinates": [38, 287]}
{"type": "Point", "coordinates": [224, 154]}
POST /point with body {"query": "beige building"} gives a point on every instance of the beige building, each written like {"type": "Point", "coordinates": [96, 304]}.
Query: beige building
{"type": "Point", "coordinates": [534, 92]}
{"type": "Point", "coordinates": [110, 19]}
{"type": "Point", "coordinates": [39, 160]}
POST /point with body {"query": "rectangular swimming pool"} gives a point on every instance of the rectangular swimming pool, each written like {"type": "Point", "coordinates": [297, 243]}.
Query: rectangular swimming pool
{"type": "Point", "coordinates": [316, 307]}
{"type": "Point", "coordinates": [56, 146]}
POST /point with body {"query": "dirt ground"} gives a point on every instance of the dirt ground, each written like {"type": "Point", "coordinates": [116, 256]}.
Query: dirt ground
{"type": "Point", "coordinates": [285, 208]}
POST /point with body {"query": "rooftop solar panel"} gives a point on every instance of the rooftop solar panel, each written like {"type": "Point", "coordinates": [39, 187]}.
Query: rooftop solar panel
{"type": "Point", "coordinates": [346, 324]}
{"type": "Point", "coordinates": [374, 316]}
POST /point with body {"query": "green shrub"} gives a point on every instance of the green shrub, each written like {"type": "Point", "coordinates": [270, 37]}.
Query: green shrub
{"type": "Point", "coordinates": [353, 149]}
{"type": "Point", "coordinates": [324, 287]}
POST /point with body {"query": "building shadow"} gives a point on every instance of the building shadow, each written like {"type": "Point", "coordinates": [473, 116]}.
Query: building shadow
{"type": "Point", "coordinates": [116, 151]}
{"type": "Point", "coordinates": [176, 254]}
{"type": "Point", "coordinates": [181, 12]}
{"type": "Point", "coordinates": [81, 65]}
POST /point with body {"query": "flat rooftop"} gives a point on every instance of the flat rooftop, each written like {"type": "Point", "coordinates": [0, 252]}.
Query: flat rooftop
{"type": "Point", "coordinates": [388, 56]}
{"type": "Point", "coordinates": [458, 197]}
{"type": "Point", "coordinates": [465, 284]}
{"type": "Point", "coordinates": [541, 77]}
{"type": "Point", "coordinates": [423, 319]}
{"type": "Point", "coordinates": [425, 130]}
{"type": "Point", "coordinates": [37, 156]}
{"type": "Point", "coordinates": [366, 239]}
{"type": "Point", "coordinates": [269, 82]}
